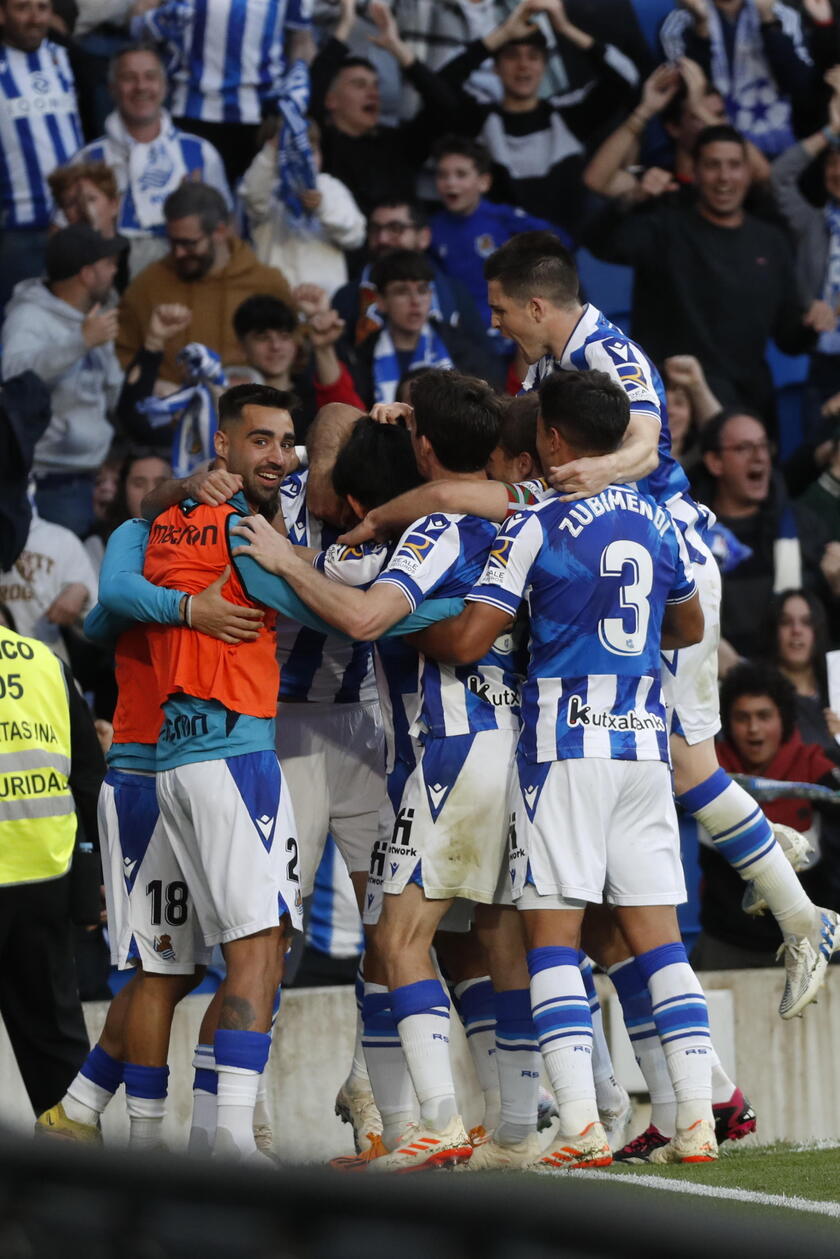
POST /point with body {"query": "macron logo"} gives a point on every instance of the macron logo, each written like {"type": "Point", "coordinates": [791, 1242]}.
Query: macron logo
{"type": "Point", "coordinates": [266, 825]}
{"type": "Point", "coordinates": [437, 792]}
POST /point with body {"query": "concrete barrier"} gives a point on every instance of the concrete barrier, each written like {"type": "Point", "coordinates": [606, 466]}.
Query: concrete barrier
{"type": "Point", "coordinates": [791, 1071]}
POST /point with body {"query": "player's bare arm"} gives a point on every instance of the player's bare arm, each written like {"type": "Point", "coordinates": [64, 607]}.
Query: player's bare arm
{"type": "Point", "coordinates": [212, 488]}
{"type": "Point", "coordinates": [635, 458]}
{"type": "Point", "coordinates": [465, 638]}
{"type": "Point", "coordinates": [488, 499]}
{"type": "Point", "coordinates": [683, 624]}
{"type": "Point", "coordinates": [362, 614]}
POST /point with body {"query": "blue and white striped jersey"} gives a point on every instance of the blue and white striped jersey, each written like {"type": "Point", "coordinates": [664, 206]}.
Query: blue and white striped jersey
{"type": "Point", "coordinates": [147, 173]}
{"type": "Point", "coordinates": [334, 925]}
{"type": "Point", "coordinates": [444, 555]}
{"type": "Point", "coordinates": [596, 576]}
{"type": "Point", "coordinates": [39, 130]}
{"type": "Point", "coordinates": [597, 343]}
{"type": "Point", "coordinates": [317, 668]}
{"type": "Point", "coordinates": [229, 57]}
{"type": "Point", "coordinates": [396, 664]}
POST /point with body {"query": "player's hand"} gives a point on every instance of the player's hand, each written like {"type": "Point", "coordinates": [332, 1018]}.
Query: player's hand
{"type": "Point", "coordinates": [99, 326]}
{"type": "Point", "coordinates": [582, 478]}
{"type": "Point", "coordinates": [311, 298]}
{"type": "Point", "coordinates": [212, 488]}
{"type": "Point", "coordinates": [104, 733]}
{"type": "Point", "coordinates": [820, 316]}
{"type": "Point", "coordinates": [272, 551]}
{"type": "Point", "coordinates": [392, 413]}
{"type": "Point", "coordinates": [656, 182]}
{"type": "Point", "coordinates": [67, 607]}
{"type": "Point", "coordinates": [212, 614]}
{"type": "Point", "coordinates": [365, 531]}
{"type": "Point", "coordinates": [166, 321]}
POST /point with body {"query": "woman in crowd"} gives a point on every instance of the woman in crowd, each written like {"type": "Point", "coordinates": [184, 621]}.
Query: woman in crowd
{"type": "Point", "coordinates": [797, 641]}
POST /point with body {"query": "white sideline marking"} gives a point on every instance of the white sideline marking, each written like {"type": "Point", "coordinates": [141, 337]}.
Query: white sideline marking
{"type": "Point", "coordinates": [711, 1191]}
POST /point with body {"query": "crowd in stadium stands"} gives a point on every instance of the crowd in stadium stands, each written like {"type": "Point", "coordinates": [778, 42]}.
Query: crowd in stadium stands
{"type": "Point", "coordinates": [303, 194]}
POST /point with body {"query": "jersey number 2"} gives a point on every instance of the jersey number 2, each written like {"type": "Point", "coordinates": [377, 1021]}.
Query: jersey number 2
{"type": "Point", "coordinates": [633, 596]}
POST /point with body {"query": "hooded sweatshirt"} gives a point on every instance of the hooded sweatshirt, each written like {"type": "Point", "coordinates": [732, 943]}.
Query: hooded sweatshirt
{"type": "Point", "coordinates": [212, 300]}
{"type": "Point", "coordinates": [44, 334]}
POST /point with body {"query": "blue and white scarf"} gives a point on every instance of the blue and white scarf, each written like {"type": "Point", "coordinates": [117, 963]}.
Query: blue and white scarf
{"type": "Point", "coordinates": [295, 163]}
{"type": "Point", "coordinates": [428, 352]}
{"type": "Point", "coordinates": [168, 25]}
{"type": "Point", "coordinates": [829, 342]}
{"type": "Point", "coordinates": [374, 314]}
{"type": "Point", "coordinates": [192, 409]}
{"type": "Point", "coordinates": [751, 94]}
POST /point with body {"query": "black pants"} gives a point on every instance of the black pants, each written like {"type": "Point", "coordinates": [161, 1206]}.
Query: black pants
{"type": "Point", "coordinates": [236, 143]}
{"type": "Point", "coordinates": [39, 992]}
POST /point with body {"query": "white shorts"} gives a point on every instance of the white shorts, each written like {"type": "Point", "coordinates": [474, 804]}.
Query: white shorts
{"type": "Point", "coordinates": [151, 916]}
{"type": "Point", "coordinates": [450, 832]}
{"type": "Point", "coordinates": [333, 762]}
{"type": "Point", "coordinates": [690, 675]}
{"type": "Point", "coordinates": [593, 830]}
{"type": "Point", "coordinates": [232, 828]}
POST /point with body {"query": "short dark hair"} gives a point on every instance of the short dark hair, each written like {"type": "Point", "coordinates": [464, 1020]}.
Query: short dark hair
{"type": "Point", "coordinates": [463, 146]}
{"type": "Point", "coordinates": [141, 46]}
{"type": "Point", "coordinates": [535, 264]}
{"type": "Point", "coordinates": [535, 39]}
{"type": "Point", "coordinates": [263, 313]}
{"type": "Point", "coordinates": [720, 133]}
{"type": "Point", "coordinates": [459, 415]}
{"type": "Point", "coordinates": [375, 464]}
{"type": "Point", "coordinates": [400, 264]}
{"type": "Point", "coordinates": [589, 409]}
{"type": "Point", "coordinates": [758, 680]}
{"type": "Point", "coordinates": [391, 200]}
{"type": "Point", "coordinates": [712, 430]}
{"type": "Point", "coordinates": [518, 434]}
{"type": "Point", "coordinates": [350, 63]}
{"type": "Point", "coordinates": [234, 401]}
{"type": "Point", "coordinates": [199, 199]}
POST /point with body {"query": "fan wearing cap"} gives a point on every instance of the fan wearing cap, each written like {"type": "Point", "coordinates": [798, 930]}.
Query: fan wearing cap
{"type": "Point", "coordinates": [59, 328]}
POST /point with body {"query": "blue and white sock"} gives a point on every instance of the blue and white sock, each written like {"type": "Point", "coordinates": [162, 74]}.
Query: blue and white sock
{"type": "Point", "coordinates": [518, 1064]}
{"type": "Point", "coordinates": [421, 1012]}
{"type": "Point", "coordinates": [90, 1092]}
{"type": "Point", "coordinates": [564, 1030]}
{"type": "Point", "coordinates": [475, 1003]}
{"type": "Point", "coordinates": [390, 1081]}
{"type": "Point", "coordinates": [608, 1093]}
{"type": "Point", "coordinates": [644, 1038]}
{"type": "Point", "coordinates": [743, 836]}
{"type": "Point", "coordinates": [682, 1021]}
{"type": "Point", "coordinates": [262, 1115]}
{"type": "Point", "coordinates": [240, 1060]}
{"type": "Point", "coordinates": [205, 1084]}
{"type": "Point", "coordinates": [145, 1099]}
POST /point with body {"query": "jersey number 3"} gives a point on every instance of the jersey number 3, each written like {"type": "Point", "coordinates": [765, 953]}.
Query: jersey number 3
{"type": "Point", "coordinates": [633, 597]}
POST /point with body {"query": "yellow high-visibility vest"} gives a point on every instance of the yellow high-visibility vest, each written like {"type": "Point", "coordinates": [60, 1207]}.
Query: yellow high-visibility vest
{"type": "Point", "coordinates": [37, 813]}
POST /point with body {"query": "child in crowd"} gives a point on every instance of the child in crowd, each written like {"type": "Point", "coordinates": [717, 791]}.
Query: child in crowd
{"type": "Point", "coordinates": [469, 227]}
{"type": "Point", "coordinates": [309, 250]}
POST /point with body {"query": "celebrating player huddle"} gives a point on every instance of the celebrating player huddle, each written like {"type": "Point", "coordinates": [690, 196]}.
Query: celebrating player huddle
{"type": "Point", "coordinates": [492, 722]}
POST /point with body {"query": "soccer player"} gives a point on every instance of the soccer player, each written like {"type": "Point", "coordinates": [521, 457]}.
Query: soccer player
{"type": "Point", "coordinates": [169, 956]}
{"type": "Point", "coordinates": [533, 294]}
{"type": "Point", "coordinates": [450, 832]}
{"type": "Point", "coordinates": [607, 583]}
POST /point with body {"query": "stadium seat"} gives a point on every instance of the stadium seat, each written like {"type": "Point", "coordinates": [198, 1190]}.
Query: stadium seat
{"type": "Point", "coordinates": [650, 15]}
{"type": "Point", "coordinates": [607, 286]}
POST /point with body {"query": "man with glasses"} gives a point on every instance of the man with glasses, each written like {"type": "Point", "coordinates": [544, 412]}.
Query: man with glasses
{"type": "Point", "coordinates": [208, 269]}
{"type": "Point", "coordinates": [394, 223]}
{"type": "Point", "coordinates": [781, 543]}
